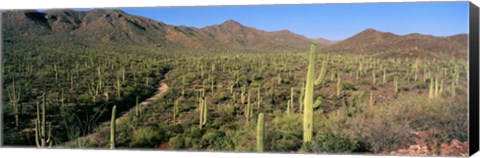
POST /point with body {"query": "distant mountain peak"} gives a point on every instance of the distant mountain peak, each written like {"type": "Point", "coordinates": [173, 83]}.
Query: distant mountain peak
{"type": "Point", "coordinates": [231, 23]}
{"type": "Point", "coordinates": [371, 31]}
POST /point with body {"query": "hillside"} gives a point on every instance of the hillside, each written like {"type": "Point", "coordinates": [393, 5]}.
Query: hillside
{"type": "Point", "coordinates": [107, 26]}
{"type": "Point", "coordinates": [412, 45]}
{"type": "Point", "coordinates": [117, 26]}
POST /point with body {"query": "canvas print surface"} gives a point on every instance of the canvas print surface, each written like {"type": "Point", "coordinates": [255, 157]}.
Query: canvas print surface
{"type": "Point", "coordinates": [378, 78]}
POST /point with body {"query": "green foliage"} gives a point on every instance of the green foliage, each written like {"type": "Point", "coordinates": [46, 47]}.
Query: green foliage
{"type": "Point", "coordinates": [177, 142]}
{"type": "Point", "coordinates": [84, 83]}
{"type": "Point", "coordinates": [146, 137]}
{"type": "Point", "coordinates": [334, 142]}
{"type": "Point", "coordinates": [283, 133]}
{"type": "Point", "coordinates": [349, 86]}
{"type": "Point", "coordinates": [379, 127]}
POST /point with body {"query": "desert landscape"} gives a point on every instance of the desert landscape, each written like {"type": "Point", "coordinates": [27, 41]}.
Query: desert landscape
{"type": "Point", "coordinates": [111, 80]}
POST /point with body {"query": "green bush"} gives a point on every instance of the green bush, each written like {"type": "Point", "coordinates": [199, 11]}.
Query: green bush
{"type": "Point", "coordinates": [226, 112]}
{"type": "Point", "coordinates": [146, 137]}
{"type": "Point", "coordinates": [391, 126]}
{"type": "Point", "coordinates": [422, 85]}
{"type": "Point", "coordinates": [284, 133]}
{"type": "Point", "coordinates": [334, 142]}
{"type": "Point", "coordinates": [349, 86]}
{"type": "Point", "coordinates": [216, 141]}
{"type": "Point", "coordinates": [177, 142]}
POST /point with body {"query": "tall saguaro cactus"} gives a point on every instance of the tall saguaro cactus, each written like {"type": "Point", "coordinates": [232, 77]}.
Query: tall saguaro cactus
{"type": "Point", "coordinates": [395, 85]}
{"type": "Point", "coordinates": [14, 96]}
{"type": "Point", "coordinates": [260, 132]}
{"type": "Point", "coordinates": [292, 91]}
{"type": "Point", "coordinates": [308, 102]}
{"type": "Point", "coordinates": [339, 86]}
{"type": "Point", "coordinates": [205, 110]}
{"type": "Point", "coordinates": [41, 139]}
{"type": "Point", "coordinates": [248, 109]}
{"type": "Point", "coordinates": [112, 128]}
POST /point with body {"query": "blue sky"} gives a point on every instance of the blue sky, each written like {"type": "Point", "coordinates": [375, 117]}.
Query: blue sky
{"type": "Point", "coordinates": [330, 21]}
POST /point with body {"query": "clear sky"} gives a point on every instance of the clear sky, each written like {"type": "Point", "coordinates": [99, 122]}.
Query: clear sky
{"type": "Point", "coordinates": [330, 21]}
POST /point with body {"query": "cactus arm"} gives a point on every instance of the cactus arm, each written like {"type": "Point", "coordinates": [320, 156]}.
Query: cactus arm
{"type": "Point", "coordinates": [323, 73]}
{"type": "Point", "coordinates": [37, 139]}
{"type": "Point", "coordinates": [49, 140]}
{"type": "Point", "coordinates": [318, 102]}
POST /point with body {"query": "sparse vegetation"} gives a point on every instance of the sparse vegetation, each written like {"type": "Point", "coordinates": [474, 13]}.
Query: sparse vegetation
{"type": "Point", "coordinates": [227, 100]}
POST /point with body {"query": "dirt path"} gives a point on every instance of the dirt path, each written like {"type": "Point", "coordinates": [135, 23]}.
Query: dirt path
{"type": "Point", "coordinates": [123, 116]}
{"type": "Point", "coordinates": [158, 94]}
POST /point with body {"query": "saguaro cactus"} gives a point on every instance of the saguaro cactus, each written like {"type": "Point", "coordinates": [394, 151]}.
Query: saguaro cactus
{"type": "Point", "coordinates": [308, 102]}
{"type": "Point", "coordinates": [248, 109]}
{"type": "Point", "coordinates": [242, 94]}
{"type": "Point", "coordinates": [437, 87]}
{"type": "Point", "coordinates": [431, 89]}
{"type": "Point", "coordinates": [175, 111]}
{"type": "Point", "coordinates": [14, 96]}
{"type": "Point", "coordinates": [183, 85]}
{"type": "Point", "coordinates": [260, 132]}
{"type": "Point", "coordinates": [200, 112]}
{"type": "Point", "coordinates": [41, 139]}
{"type": "Point", "coordinates": [112, 128]}
{"type": "Point", "coordinates": [205, 110]}
{"type": "Point", "coordinates": [395, 84]}
{"type": "Point", "coordinates": [259, 99]}
{"type": "Point", "coordinates": [292, 91]}
{"type": "Point", "coordinates": [384, 75]}
{"type": "Point", "coordinates": [339, 86]}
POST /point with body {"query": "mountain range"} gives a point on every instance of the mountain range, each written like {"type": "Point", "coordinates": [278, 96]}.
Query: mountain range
{"type": "Point", "coordinates": [107, 26]}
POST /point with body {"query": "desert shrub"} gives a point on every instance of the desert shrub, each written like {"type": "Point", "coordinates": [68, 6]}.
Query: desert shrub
{"type": "Point", "coordinates": [240, 137]}
{"type": "Point", "coordinates": [258, 77]}
{"type": "Point", "coordinates": [226, 112]}
{"type": "Point", "coordinates": [146, 137]}
{"type": "Point", "coordinates": [195, 132]}
{"type": "Point", "coordinates": [365, 82]}
{"type": "Point", "coordinates": [349, 86]}
{"type": "Point", "coordinates": [390, 127]}
{"type": "Point", "coordinates": [216, 141]}
{"type": "Point", "coordinates": [218, 97]}
{"type": "Point", "coordinates": [284, 133]}
{"type": "Point", "coordinates": [334, 142]}
{"type": "Point", "coordinates": [170, 129]}
{"type": "Point", "coordinates": [421, 85]}
{"type": "Point", "coordinates": [177, 142]}
{"type": "Point", "coordinates": [190, 77]}
{"type": "Point", "coordinates": [124, 133]}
